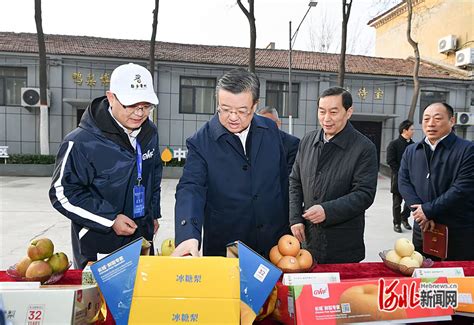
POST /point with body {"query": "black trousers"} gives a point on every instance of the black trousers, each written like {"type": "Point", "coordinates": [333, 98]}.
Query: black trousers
{"type": "Point", "coordinates": [398, 214]}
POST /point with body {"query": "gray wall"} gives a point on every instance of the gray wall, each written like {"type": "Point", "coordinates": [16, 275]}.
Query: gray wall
{"type": "Point", "coordinates": [19, 126]}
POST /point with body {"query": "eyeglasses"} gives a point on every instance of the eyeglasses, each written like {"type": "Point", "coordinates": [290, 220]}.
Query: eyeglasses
{"type": "Point", "coordinates": [145, 108]}
{"type": "Point", "coordinates": [240, 112]}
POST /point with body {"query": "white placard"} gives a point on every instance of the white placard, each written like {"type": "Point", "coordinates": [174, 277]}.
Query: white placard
{"type": "Point", "coordinates": [449, 272]}
{"type": "Point", "coordinates": [292, 279]}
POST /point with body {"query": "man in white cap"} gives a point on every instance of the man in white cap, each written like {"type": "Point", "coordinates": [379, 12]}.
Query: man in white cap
{"type": "Point", "coordinates": [108, 170]}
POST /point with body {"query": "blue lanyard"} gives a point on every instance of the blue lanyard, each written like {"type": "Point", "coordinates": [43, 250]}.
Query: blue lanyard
{"type": "Point", "coordinates": [139, 163]}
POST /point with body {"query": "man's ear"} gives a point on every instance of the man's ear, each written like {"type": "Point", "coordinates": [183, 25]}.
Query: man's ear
{"type": "Point", "coordinates": [110, 97]}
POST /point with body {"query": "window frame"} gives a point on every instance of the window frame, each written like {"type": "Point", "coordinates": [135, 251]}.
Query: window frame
{"type": "Point", "coordinates": [6, 80]}
{"type": "Point", "coordinates": [295, 90]}
{"type": "Point", "coordinates": [424, 104]}
{"type": "Point", "coordinates": [181, 86]}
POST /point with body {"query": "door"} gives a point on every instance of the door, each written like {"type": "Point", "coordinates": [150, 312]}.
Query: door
{"type": "Point", "coordinates": [373, 131]}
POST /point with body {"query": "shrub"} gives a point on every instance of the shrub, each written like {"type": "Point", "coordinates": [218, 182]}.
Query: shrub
{"type": "Point", "coordinates": [31, 159]}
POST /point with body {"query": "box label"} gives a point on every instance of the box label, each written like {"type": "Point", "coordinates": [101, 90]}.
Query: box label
{"type": "Point", "coordinates": [34, 315]}
{"type": "Point", "coordinates": [261, 273]}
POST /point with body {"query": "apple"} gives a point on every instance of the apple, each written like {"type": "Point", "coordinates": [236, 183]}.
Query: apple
{"type": "Point", "coordinates": [40, 249]}
{"type": "Point", "coordinates": [305, 259]}
{"type": "Point", "coordinates": [58, 262]}
{"type": "Point", "coordinates": [288, 245]}
{"type": "Point", "coordinates": [167, 247]}
{"type": "Point", "coordinates": [404, 247]}
{"type": "Point", "coordinates": [418, 257]}
{"type": "Point", "coordinates": [393, 257]}
{"type": "Point", "coordinates": [22, 266]}
{"type": "Point", "coordinates": [275, 255]}
{"type": "Point", "coordinates": [409, 261]}
{"type": "Point", "coordinates": [39, 270]}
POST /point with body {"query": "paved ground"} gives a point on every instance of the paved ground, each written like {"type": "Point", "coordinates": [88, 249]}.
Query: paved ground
{"type": "Point", "coordinates": [26, 213]}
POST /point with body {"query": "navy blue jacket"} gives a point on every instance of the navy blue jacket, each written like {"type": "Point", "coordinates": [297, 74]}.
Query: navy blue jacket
{"type": "Point", "coordinates": [290, 144]}
{"type": "Point", "coordinates": [444, 187]}
{"type": "Point", "coordinates": [233, 197]}
{"type": "Point", "coordinates": [94, 177]}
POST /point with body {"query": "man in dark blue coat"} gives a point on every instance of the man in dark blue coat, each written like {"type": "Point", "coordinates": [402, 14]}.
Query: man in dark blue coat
{"type": "Point", "coordinates": [436, 180]}
{"type": "Point", "coordinates": [290, 143]}
{"type": "Point", "coordinates": [235, 180]}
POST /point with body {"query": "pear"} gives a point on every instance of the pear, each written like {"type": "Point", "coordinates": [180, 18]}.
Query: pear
{"type": "Point", "coordinates": [39, 270]}
{"type": "Point", "coordinates": [22, 266]}
{"type": "Point", "coordinates": [40, 249]}
{"type": "Point", "coordinates": [58, 262]}
{"type": "Point", "coordinates": [167, 247]}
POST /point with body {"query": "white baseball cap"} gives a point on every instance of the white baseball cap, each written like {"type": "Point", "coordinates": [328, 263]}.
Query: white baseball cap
{"type": "Point", "coordinates": [132, 84]}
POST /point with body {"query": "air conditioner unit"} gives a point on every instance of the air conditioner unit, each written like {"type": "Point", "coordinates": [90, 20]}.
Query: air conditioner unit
{"type": "Point", "coordinates": [446, 44]}
{"type": "Point", "coordinates": [465, 57]}
{"type": "Point", "coordinates": [464, 118]}
{"type": "Point", "coordinates": [30, 97]}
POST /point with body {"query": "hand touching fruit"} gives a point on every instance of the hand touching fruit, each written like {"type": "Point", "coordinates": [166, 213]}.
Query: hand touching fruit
{"type": "Point", "coordinates": [289, 256]}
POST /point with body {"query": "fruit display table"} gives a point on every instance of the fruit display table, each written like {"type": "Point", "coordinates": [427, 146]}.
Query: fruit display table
{"type": "Point", "coordinates": [346, 271]}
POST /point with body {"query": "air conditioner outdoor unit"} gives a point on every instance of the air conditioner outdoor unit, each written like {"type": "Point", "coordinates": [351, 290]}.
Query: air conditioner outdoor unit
{"type": "Point", "coordinates": [464, 118]}
{"type": "Point", "coordinates": [465, 57]}
{"type": "Point", "coordinates": [30, 97]}
{"type": "Point", "coordinates": [446, 44]}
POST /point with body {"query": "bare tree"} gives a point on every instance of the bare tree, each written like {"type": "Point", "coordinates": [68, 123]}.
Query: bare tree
{"type": "Point", "coordinates": [322, 38]}
{"type": "Point", "coordinates": [346, 12]}
{"type": "Point", "coordinates": [44, 123]}
{"type": "Point", "coordinates": [253, 31]}
{"type": "Point", "coordinates": [153, 38]}
{"type": "Point", "coordinates": [416, 68]}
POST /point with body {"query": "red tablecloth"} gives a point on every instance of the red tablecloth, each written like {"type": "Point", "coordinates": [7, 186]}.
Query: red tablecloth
{"type": "Point", "coordinates": [346, 271]}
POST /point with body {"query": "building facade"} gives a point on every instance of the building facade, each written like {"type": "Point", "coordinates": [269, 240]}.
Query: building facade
{"type": "Point", "coordinates": [79, 70]}
{"type": "Point", "coordinates": [441, 27]}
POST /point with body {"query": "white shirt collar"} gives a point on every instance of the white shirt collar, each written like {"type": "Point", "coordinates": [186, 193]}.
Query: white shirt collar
{"type": "Point", "coordinates": [243, 136]}
{"type": "Point", "coordinates": [433, 146]}
{"type": "Point", "coordinates": [132, 136]}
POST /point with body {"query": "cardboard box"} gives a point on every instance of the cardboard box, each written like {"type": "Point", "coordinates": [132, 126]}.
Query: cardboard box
{"type": "Point", "coordinates": [199, 290]}
{"type": "Point", "coordinates": [187, 277]}
{"type": "Point", "coordinates": [371, 300]}
{"type": "Point", "coordinates": [158, 310]}
{"type": "Point", "coordinates": [74, 304]}
{"type": "Point", "coordinates": [465, 293]}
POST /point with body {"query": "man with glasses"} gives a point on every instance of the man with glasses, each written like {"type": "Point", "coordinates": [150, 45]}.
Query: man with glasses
{"type": "Point", "coordinates": [235, 181]}
{"type": "Point", "coordinates": [108, 170]}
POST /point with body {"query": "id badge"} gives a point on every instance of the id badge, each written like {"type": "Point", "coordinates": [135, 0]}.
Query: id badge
{"type": "Point", "coordinates": [138, 201]}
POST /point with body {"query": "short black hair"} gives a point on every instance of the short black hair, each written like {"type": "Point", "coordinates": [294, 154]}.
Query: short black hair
{"type": "Point", "coordinates": [448, 107]}
{"type": "Point", "coordinates": [334, 91]}
{"type": "Point", "coordinates": [240, 80]}
{"type": "Point", "coordinates": [405, 125]}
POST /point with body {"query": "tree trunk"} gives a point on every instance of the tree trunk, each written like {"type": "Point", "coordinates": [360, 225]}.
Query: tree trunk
{"type": "Point", "coordinates": [153, 39]}
{"type": "Point", "coordinates": [253, 31]}
{"type": "Point", "coordinates": [416, 68]}
{"type": "Point", "coordinates": [346, 12]}
{"type": "Point", "coordinates": [44, 123]}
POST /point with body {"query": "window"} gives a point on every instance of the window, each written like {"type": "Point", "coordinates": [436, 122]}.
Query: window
{"type": "Point", "coordinates": [428, 97]}
{"type": "Point", "coordinates": [277, 96]}
{"type": "Point", "coordinates": [11, 82]}
{"type": "Point", "coordinates": [197, 95]}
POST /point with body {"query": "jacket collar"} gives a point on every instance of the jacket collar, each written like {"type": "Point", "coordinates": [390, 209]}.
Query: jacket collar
{"type": "Point", "coordinates": [342, 139]}
{"type": "Point", "coordinates": [217, 129]}
{"type": "Point", "coordinates": [447, 142]}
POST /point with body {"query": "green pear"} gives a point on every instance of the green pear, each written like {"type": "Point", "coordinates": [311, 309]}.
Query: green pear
{"type": "Point", "coordinates": [22, 266]}
{"type": "Point", "coordinates": [145, 250]}
{"type": "Point", "coordinates": [40, 249]}
{"type": "Point", "coordinates": [167, 247]}
{"type": "Point", "coordinates": [58, 262]}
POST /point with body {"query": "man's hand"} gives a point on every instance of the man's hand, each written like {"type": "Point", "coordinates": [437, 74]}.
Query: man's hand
{"type": "Point", "coordinates": [187, 247]}
{"type": "Point", "coordinates": [124, 226]}
{"type": "Point", "coordinates": [429, 226]}
{"type": "Point", "coordinates": [156, 225]}
{"type": "Point", "coordinates": [298, 231]}
{"type": "Point", "coordinates": [315, 214]}
{"type": "Point", "coordinates": [419, 216]}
